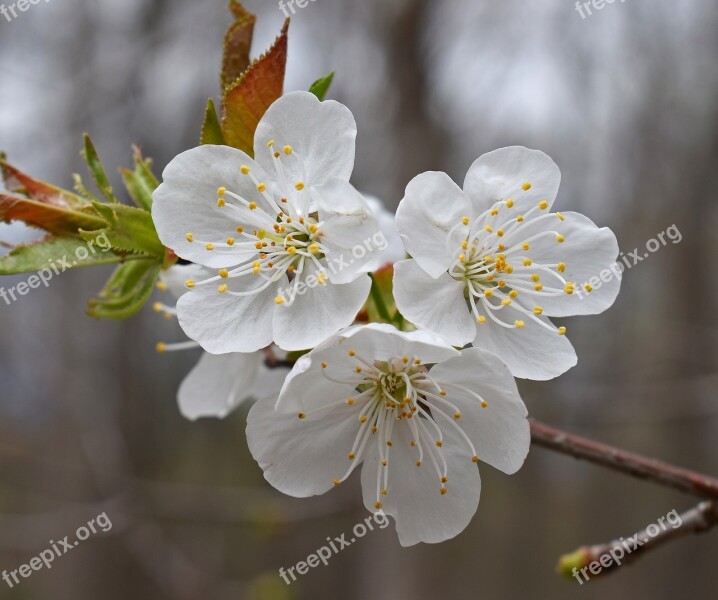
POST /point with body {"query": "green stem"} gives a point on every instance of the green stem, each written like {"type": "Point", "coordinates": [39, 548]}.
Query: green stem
{"type": "Point", "coordinates": [379, 300]}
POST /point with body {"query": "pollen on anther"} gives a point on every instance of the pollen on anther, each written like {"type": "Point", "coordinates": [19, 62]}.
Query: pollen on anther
{"type": "Point", "coordinates": [261, 187]}
{"type": "Point", "coordinates": [223, 273]}
{"type": "Point", "coordinates": [189, 283]}
{"type": "Point", "coordinates": [538, 287]}
{"type": "Point", "coordinates": [513, 294]}
{"type": "Point", "coordinates": [418, 463]}
{"type": "Point", "coordinates": [444, 479]}
{"type": "Point", "coordinates": [220, 202]}
{"type": "Point", "coordinates": [488, 228]}
{"type": "Point", "coordinates": [357, 369]}
{"type": "Point", "coordinates": [222, 288]}
{"type": "Point", "coordinates": [439, 443]}
{"type": "Point", "coordinates": [525, 246]}
{"type": "Point", "coordinates": [443, 490]}
{"type": "Point", "coordinates": [279, 300]}
{"type": "Point", "coordinates": [157, 307]}
{"type": "Point", "coordinates": [270, 143]}
{"type": "Point", "coordinates": [543, 205]}
{"type": "Point", "coordinates": [336, 482]}
{"type": "Point", "coordinates": [301, 415]}
{"type": "Point", "coordinates": [588, 287]}
{"type": "Point", "coordinates": [475, 459]}
{"type": "Point", "coordinates": [389, 443]}
{"type": "Point", "coordinates": [481, 319]}
{"type": "Point", "coordinates": [484, 404]}
{"type": "Point", "coordinates": [378, 505]}
{"type": "Point", "coordinates": [526, 187]}
{"type": "Point", "coordinates": [299, 186]}
{"type": "Point", "coordinates": [560, 239]}
{"type": "Point", "coordinates": [384, 492]}
{"type": "Point", "coordinates": [384, 462]}
{"type": "Point", "coordinates": [313, 248]}
{"type": "Point", "coordinates": [457, 415]}
{"type": "Point", "coordinates": [488, 293]}
{"type": "Point", "coordinates": [230, 241]}
{"type": "Point", "coordinates": [538, 310]}
{"type": "Point", "coordinates": [351, 456]}
{"type": "Point", "coordinates": [465, 220]}
{"type": "Point", "coordinates": [509, 203]}
{"type": "Point", "coordinates": [190, 238]}
{"type": "Point", "coordinates": [561, 267]}
{"type": "Point", "coordinates": [160, 347]}
{"type": "Point", "coordinates": [245, 170]}
{"type": "Point", "coordinates": [350, 401]}
{"type": "Point", "coordinates": [560, 216]}
{"type": "Point", "coordinates": [240, 229]}
{"type": "Point", "coordinates": [287, 150]}
{"type": "Point", "coordinates": [527, 262]}
{"type": "Point", "coordinates": [520, 324]}
{"type": "Point", "coordinates": [252, 206]}
{"type": "Point", "coordinates": [562, 331]}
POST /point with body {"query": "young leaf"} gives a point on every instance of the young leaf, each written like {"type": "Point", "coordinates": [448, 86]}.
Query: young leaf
{"type": "Point", "coordinates": [127, 290]}
{"type": "Point", "coordinates": [129, 230]}
{"type": "Point", "coordinates": [50, 217]}
{"type": "Point", "coordinates": [211, 129]}
{"type": "Point", "coordinates": [90, 155]}
{"type": "Point", "coordinates": [141, 182]}
{"type": "Point", "coordinates": [62, 252]}
{"type": "Point", "coordinates": [321, 86]}
{"type": "Point", "coordinates": [245, 101]}
{"type": "Point", "coordinates": [237, 43]}
{"type": "Point", "coordinates": [21, 183]}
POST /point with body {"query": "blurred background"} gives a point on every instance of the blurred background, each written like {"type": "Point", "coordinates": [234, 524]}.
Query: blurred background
{"type": "Point", "coordinates": [624, 100]}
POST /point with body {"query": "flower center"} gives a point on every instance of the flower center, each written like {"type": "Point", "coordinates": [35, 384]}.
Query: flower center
{"type": "Point", "coordinates": [492, 256]}
{"type": "Point", "coordinates": [400, 392]}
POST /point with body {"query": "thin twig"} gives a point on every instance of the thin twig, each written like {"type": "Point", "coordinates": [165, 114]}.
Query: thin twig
{"type": "Point", "coordinates": [642, 467]}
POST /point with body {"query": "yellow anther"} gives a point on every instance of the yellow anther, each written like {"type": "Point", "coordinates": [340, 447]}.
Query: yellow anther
{"type": "Point", "coordinates": [543, 205]}
{"type": "Point", "coordinates": [324, 365]}
{"type": "Point", "coordinates": [384, 462]}
{"type": "Point", "coordinates": [520, 219]}
{"type": "Point", "coordinates": [527, 262]}
{"type": "Point", "coordinates": [357, 369]}
{"type": "Point", "coordinates": [520, 324]}
{"type": "Point", "coordinates": [190, 238]}
{"type": "Point", "coordinates": [189, 283]}
{"type": "Point", "coordinates": [484, 404]}
{"type": "Point", "coordinates": [221, 191]}
{"type": "Point", "coordinates": [261, 234]}
{"type": "Point", "coordinates": [363, 419]}
{"type": "Point", "coordinates": [352, 353]}
{"type": "Point", "coordinates": [252, 206]}
{"type": "Point", "coordinates": [245, 169]}
{"type": "Point", "coordinates": [240, 229]}
{"type": "Point", "coordinates": [569, 288]}
{"type": "Point", "coordinates": [538, 310]}
{"type": "Point", "coordinates": [160, 347]}
{"type": "Point", "coordinates": [464, 244]}
{"type": "Point", "coordinates": [444, 479]}
{"type": "Point", "coordinates": [350, 401]}
{"type": "Point", "coordinates": [313, 248]}
{"type": "Point", "coordinates": [418, 463]}
{"type": "Point", "coordinates": [494, 212]}
{"type": "Point", "coordinates": [500, 233]}
{"type": "Point", "coordinates": [509, 203]}
{"type": "Point", "coordinates": [256, 267]}
{"type": "Point", "coordinates": [157, 307]}
{"type": "Point", "coordinates": [374, 429]}
{"type": "Point", "coordinates": [457, 415]}
{"type": "Point", "coordinates": [526, 187]}
{"type": "Point", "coordinates": [167, 316]}
{"type": "Point", "coordinates": [465, 220]}
{"type": "Point", "coordinates": [389, 443]}
{"type": "Point", "coordinates": [336, 482]}
{"type": "Point", "coordinates": [378, 505]}
{"type": "Point", "coordinates": [222, 288]}
{"type": "Point", "coordinates": [299, 186]}
{"type": "Point", "coordinates": [443, 490]}
{"type": "Point", "coordinates": [462, 258]}
{"type": "Point", "coordinates": [525, 246]}
{"type": "Point", "coordinates": [488, 293]}
{"type": "Point", "coordinates": [442, 392]}
{"type": "Point", "coordinates": [261, 187]}
{"type": "Point", "coordinates": [560, 216]}
{"type": "Point", "coordinates": [560, 239]}
{"type": "Point", "coordinates": [488, 228]}
{"type": "Point", "coordinates": [561, 267]}
{"type": "Point", "coordinates": [405, 360]}
{"type": "Point", "coordinates": [475, 459]}
{"type": "Point", "coordinates": [279, 300]}
{"type": "Point", "coordinates": [513, 294]}
{"type": "Point", "coordinates": [313, 228]}
{"type": "Point", "coordinates": [287, 150]}
{"type": "Point", "coordinates": [481, 319]}
{"type": "Point", "coordinates": [351, 456]}
{"type": "Point", "coordinates": [588, 287]}
{"type": "Point", "coordinates": [506, 301]}
{"type": "Point", "coordinates": [322, 278]}
{"type": "Point", "coordinates": [535, 277]}
{"type": "Point", "coordinates": [223, 273]}
{"type": "Point", "coordinates": [384, 492]}
{"type": "Point", "coordinates": [502, 283]}
{"type": "Point", "coordinates": [301, 415]}
{"type": "Point", "coordinates": [439, 443]}
{"type": "Point", "coordinates": [270, 143]}
{"type": "Point", "coordinates": [562, 331]}
{"type": "Point", "coordinates": [161, 286]}
{"type": "Point", "coordinates": [412, 443]}
{"type": "Point", "coordinates": [230, 241]}
{"type": "Point", "coordinates": [291, 250]}
{"type": "Point", "coordinates": [501, 247]}
{"type": "Point", "coordinates": [221, 203]}
{"type": "Point", "coordinates": [538, 287]}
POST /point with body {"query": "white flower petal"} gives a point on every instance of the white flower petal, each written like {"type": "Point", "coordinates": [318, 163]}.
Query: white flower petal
{"type": "Point", "coordinates": [394, 248]}
{"type": "Point", "coordinates": [503, 173]}
{"type": "Point", "coordinates": [500, 431]}
{"type": "Point", "coordinates": [432, 206]}
{"type": "Point", "coordinates": [421, 512]}
{"type": "Point", "coordinates": [321, 134]}
{"type": "Point", "coordinates": [224, 323]}
{"type": "Point", "coordinates": [177, 276]}
{"type": "Point", "coordinates": [218, 384]}
{"type": "Point", "coordinates": [349, 231]}
{"type": "Point", "coordinates": [435, 304]}
{"type": "Point", "coordinates": [186, 202]}
{"type": "Point", "coordinates": [301, 457]}
{"type": "Point", "coordinates": [588, 252]}
{"type": "Point", "coordinates": [532, 352]}
{"type": "Point", "coordinates": [309, 318]}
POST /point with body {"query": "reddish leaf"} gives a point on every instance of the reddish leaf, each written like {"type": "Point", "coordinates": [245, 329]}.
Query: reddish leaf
{"type": "Point", "coordinates": [245, 102]}
{"type": "Point", "coordinates": [237, 43]}
{"type": "Point", "coordinates": [19, 182]}
{"type": "Point", "coordinates": [51, 217]}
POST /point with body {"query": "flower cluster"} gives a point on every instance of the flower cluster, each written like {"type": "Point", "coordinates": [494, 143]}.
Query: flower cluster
{"type": "Point", "coordinates": [414, 402]}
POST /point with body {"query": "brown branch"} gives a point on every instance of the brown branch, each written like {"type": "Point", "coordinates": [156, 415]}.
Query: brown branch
{"type": "Point", "coordinates": [600, 559]}
{"type": "Point", "coordinates": [626, 462]}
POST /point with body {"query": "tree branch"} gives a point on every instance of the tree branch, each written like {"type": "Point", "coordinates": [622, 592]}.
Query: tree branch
{"type": "Point", "coordinates": [642, 467]}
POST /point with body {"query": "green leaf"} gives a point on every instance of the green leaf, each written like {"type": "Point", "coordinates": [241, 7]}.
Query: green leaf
{"type": "Point", "coordinates": [211, 129]}
{"type": "Point", "coordinates": [237, 43]}
{"type": "Point", "coordinates": [58, 251]}
{"type": "Point", "coordinates": [127, 290]}
{"type": "Point", "coordinates": [245, 101]}
{"type": "Point", "coordinates": [141, 182]}
{"type": "Point", "coordinates": [129, 230]}
{"type": "Point", "coordinates": [50, 217]}
{"type": "Point", "coordinates": [321, 86]}
{"type": "Point", "coordinates": [90, 155]}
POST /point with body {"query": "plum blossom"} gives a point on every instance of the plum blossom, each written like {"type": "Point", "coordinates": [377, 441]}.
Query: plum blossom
{"type": "Point", "coordinates": [413, 411]}
{"type": "Point", "coordinates": [490, 263]}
